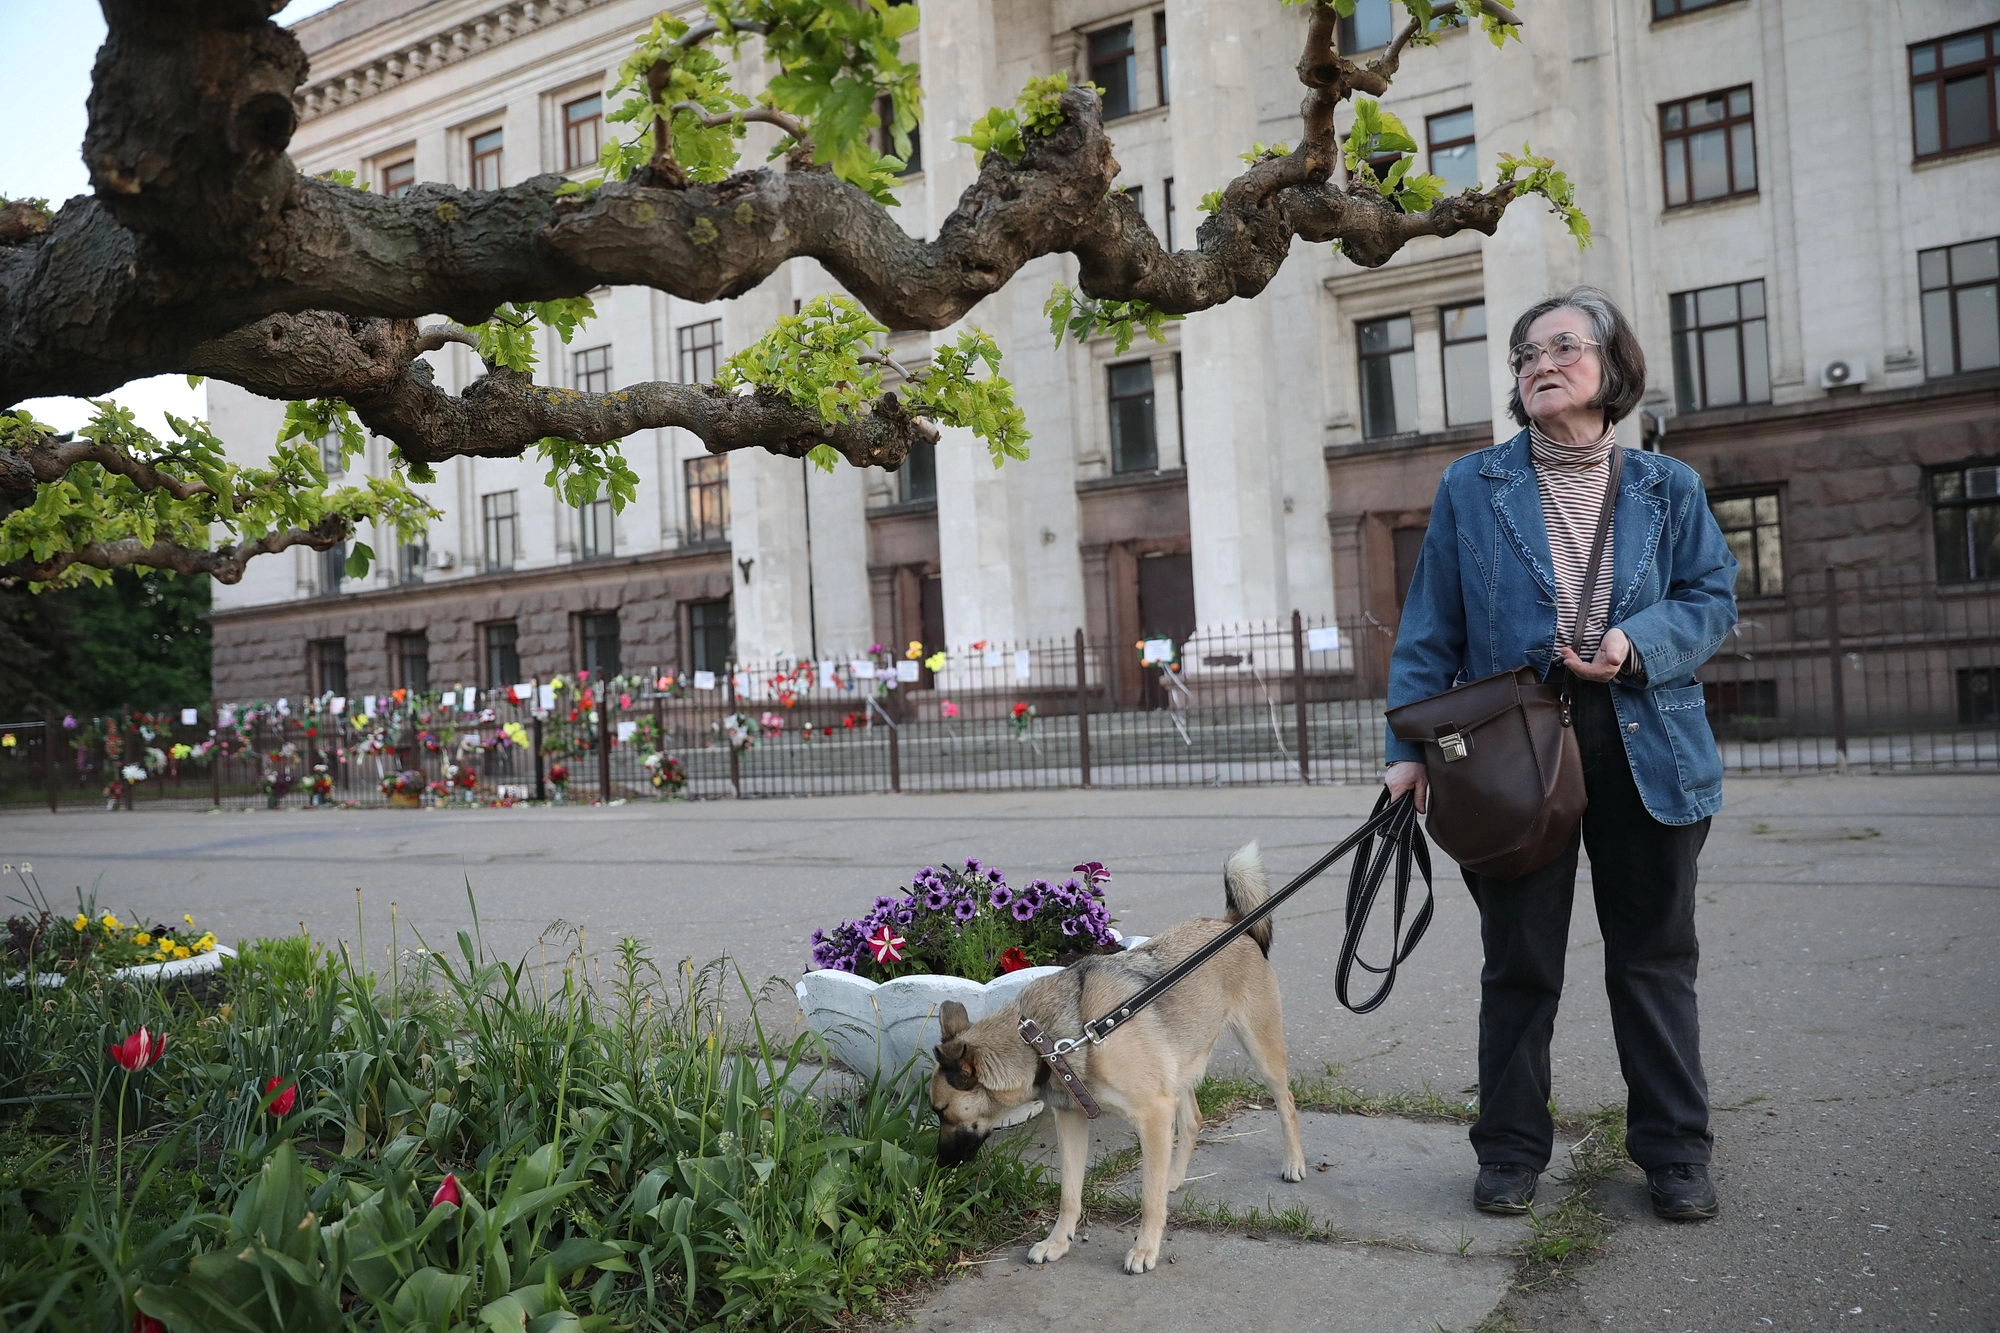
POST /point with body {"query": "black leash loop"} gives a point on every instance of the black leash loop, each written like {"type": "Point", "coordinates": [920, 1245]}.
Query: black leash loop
{"type": "Point", "coordinates": [1395, 824]}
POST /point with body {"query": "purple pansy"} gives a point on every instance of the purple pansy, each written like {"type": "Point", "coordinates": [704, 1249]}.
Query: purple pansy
{"type": "Point", "coordinates": [964, 909]}
{"type": "Point", "coordinates": [1023, 909]}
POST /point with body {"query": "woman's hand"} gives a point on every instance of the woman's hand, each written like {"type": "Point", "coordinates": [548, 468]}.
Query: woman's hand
{"type": "Point", "coordinates": [1610, 659]}
{"type": "Point", "coordinates": [1409, 776]}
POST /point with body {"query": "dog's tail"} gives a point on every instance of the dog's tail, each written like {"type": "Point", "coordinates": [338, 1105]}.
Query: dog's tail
{"type": "Point", "coordinates": [1244, 888]}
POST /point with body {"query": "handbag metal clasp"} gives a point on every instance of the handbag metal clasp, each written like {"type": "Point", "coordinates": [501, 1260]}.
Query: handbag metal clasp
{"type": "Point", "coordinates": [1452, 743]}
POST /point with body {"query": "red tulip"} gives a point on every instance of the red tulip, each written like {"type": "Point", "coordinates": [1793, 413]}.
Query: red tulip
{"type": "Point", "coordinates": [145, 1323]}
{"type": "Point", "coordinates": [137, 1051]}
{"type": "Point", "coordinates": [447, 1192]}
{"type": "Point", "coordinates": [283, 1103]}
{"type": "Point", "coordinates": [1013, 960]}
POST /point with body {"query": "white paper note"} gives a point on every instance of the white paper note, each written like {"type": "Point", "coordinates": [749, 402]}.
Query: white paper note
{"type": "Point", "coordinates": [907, 671]}
{"type": "Point", "coordinates": [189, 717]}
{"type": "Point", "coordinates": [546, 700]}
{"type": "Point", "coordinates": [338, 706]}
{"type": "Point", "coordinates": [368, 706]}
{"type": "Point", "coordinates": [1324, 639]}
{"type": "Point", "coordinates": [1159, 651]}
{"type": "Point", "coordinates": [992, 659]}
{"type": "Point", "coordinates": [526, 689]}
{"type": "Point", "coordinates": [863, 670]}
{"type": "Point", "coordinates": [827, 680]}
{"type": "Point", "coordinates": [1023, 665]}
{"type": "Point", "coordinates": [449, 699]}
{"type": "Point", "coordinates": [627, 730]}
{"type": "Point", "coordinates": [704, 680]}
{"type": "Point", "coordinates": [742, 682]}
{"type": "Point", "coordinates": [470, 695]}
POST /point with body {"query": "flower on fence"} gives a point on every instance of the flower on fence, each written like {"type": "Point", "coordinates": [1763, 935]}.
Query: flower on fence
{"type": "Point", "coordinates": [7, 741]}
{"type": "Point", "coordinates": [447, 1193]}
{"type": "Point", "coordinates": [772, 723]}
{"type": "Point", "coordinates": [665, 772]}
{"type": "Point", "coordinates": [935, 662]}
{"type": "Point", "coordinates": [516, 734]}
{"type": "Point", "coordinates": [915, 650]}
{"type": "Point", "coordinates": [69, 722]}
{"type": "Point", "coordinates": [287, 1095]}
{"type": "Point", "coordinates": [320, 783]}
{"type": "Point", "coordinates": [399, 694]}
{"type": "Point", "coordinates": [737, 728]}
{"type": "Point", "coordinates": [138, 1051]}
{"type": "Point", "coordinates": [133, 773]}
{"type": "Point", "coordinates": [558, 773]}
{"type": "Point", "coordinates": [979, 646]}
{"type": "Point", "coordinates": [463, 775]}
{"type": "Point", "coordinates": [1021, 718]}
{"type": "Point", "coordinates": [874, 650]}
{"type": "Point", "coordinates": [947, 708]}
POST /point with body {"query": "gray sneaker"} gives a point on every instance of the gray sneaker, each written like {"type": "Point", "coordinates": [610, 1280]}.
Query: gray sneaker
{"type": "Point", "coordinates": [1682, 1192]}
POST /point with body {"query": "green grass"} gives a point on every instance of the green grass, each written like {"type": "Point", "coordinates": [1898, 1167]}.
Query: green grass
{"type": "Point", "coordinates": [628, 1157]}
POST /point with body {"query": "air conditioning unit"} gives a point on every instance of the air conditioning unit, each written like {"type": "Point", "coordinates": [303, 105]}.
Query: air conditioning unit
{"type": "Point", "coordinates": [442, 560]}
{"type": "Point", "coordinates": [1843, 372]}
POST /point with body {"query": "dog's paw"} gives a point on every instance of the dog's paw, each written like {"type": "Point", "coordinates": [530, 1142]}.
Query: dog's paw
{"type": "Point", "coordinates": [1142, 1258]}
{"type": "Point", "coordinates": [1294, 1172]}
{"type": "Point", "coordinates": [1047, 1251]}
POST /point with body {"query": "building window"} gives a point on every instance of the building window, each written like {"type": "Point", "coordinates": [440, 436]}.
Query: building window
{"type": "Point", "coordinates": [326, 660]}
{"type": "Point", "coordinates": [1965, 511]}
{"type": "Point", "coordinates": [1961, 301]}
{"type": "Point", "coordinates": [1114, 67]}
{"type": "Point", "coordinates": [699, 345]}
{"type": "Point", "coordinates": [917, 479]}
{"type": "Point", "coordinates": [592, 367]}
{"type": "Point", "coordinates": [1371, 25]}
{"type": "Point", "coordinates": [332, 569]}
{"type": "Point", "coordinates": [399, 178]}
{"type": "Point", "coordinates": [485, 151]}
{"type": "Point", "coordinates": [500, 648]}
{"type": "Point", "coordinates": [583, 131]}
{"type": "Point", "coordinates": [411, 557]}
{"type": "Point", "coordinates": [885, 142]}
{"type": "Point", "coordinates": [1952, 90]}
{"type": "Point", "coordinates": [1751, 526]}
{"type": "Point", "coordinates": [1720, 354]}
{"type": "Point", "coordinates": [1134, 445]}
{"type": "Point", "coordinates": [1979, 695]}
{"type": "Point", "coordinates": [410, 661]}
{"type": "Point", "coordinates": [1666, 9]}
{"type": "Point", "coordinates": [594, 535]}
{"type": "Point", "coordinates": [1452, 150]}
{"type": "Point", "coordinates": [332, 459]}
{"type": "Point", "coordinates": [500, 530]}
{"type": "Point", "coordinates": [711, 635]}
{"type": "Point", "coordinates": [707, 482]}
{"type": "Point", "coordinates": [1388, 376]}
{"type": "Point", "coordinates": [1167, 189]}
{"type": "Point", "coordinates": [597, 644]}
{"type": "Point", "coordinates": [1708, 147]}
{"type": "Point", "coordinates": [1161, 65]}
{"type": "Point", "coordinates": [1468, 395]}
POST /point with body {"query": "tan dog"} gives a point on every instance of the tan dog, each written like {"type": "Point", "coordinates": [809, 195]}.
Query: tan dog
{"type": "Point", "coordinates": [987, 1077]}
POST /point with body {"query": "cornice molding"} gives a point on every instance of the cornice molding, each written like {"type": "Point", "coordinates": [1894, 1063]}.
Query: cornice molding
{"type": "Point", "coordinates": [446, 46]}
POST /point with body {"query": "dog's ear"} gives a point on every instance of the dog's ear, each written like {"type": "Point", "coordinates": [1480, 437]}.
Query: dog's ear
{"type": "Point", "coordinates": [952, 1019]}
{"type": "Point", "coordinates": [955, 1062]}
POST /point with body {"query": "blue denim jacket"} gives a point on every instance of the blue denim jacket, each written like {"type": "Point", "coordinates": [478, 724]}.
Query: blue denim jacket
{"type": "Point", "coordinates": [1483, 600]}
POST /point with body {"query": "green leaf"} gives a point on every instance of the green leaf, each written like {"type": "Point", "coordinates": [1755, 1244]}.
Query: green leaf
{"type": "Point", "coordinates": [359, 555]}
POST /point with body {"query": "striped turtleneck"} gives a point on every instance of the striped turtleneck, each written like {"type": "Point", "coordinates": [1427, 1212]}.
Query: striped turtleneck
{"type": "Point", "coordinates": [1572, 479]}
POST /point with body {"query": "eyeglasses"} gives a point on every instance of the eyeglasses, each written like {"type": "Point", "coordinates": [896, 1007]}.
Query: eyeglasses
{"type": "Point", "coordinates": [1565, 349]}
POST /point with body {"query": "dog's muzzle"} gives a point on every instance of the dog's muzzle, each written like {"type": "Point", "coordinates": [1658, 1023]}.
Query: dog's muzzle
{"type": "Point", "coordinates": [957, 1146]}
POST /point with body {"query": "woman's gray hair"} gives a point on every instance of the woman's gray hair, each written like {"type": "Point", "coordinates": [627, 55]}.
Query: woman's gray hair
{"type": "Point", "coordinates": [1623, 359]}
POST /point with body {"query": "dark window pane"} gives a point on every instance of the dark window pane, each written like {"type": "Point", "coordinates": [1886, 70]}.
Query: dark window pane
{"type": "Point", "coordinates": [1373, 25]}
{"type": "Point", "coordinates": [1938, 359]}
{"type": "Point", "coordinates": [1451, 125]}
{"type": "Point", "coordinates": [1982, 535]}
{"type": "Point", "coordinates": [1923, 59]}
{"type": "Point", "coordinates": [919, 473]}
{"type": "Point", "coordinates": [1463, 322]}
{"type": "Point", "coordinates": [1964, 50]}
{"type": "Point", "coordinates": [1978, 327]}
{"type": "Point", "coordinates": [1113, 64]}
{"type": "Point", "coordinates": [1385, 335]}
{"type": "Point", "coordinates": [1948, 485]}
{"type": "Point", "coordinates": [1674, 118]}
{"type": "Point", "coordinates": [1687, 371]}
{"type": "Point", "coordinates": [1706, 110]}
{"type": "Point", "coordinates": [1933, 268]}
{"type": "Point", "coordinates": [1739, 102]}
{"type": "Point", "coordinates": [1735, 513]}
{"type": "Point", "coordinates": [1965, 110]}
{"type": "Point", "coordinates": [1770, 559]}
{"type": "Point", "coordinates": [1924, 113]}
{"type": "Point", "coordinates": [1950, 526]}
{"type": "Point", "coordinates": [1767, 509]}
{"type": "Point", "coordinates": [1387, 387]}
{"type": "Point", "coordinates": [1457, 167]}
{"type": "Point", "coordinates": [1975, 261]}
{"type": "Point", "coordinates": [711, 635]}
{"type": "Point", "coordinates": [1134, 447]}
{"type": "Point", "coordinates": [1682, 304]}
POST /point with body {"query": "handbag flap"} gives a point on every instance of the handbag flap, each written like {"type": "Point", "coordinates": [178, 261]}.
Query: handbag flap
{"type": "Point", "coordinates": [1463, 708]}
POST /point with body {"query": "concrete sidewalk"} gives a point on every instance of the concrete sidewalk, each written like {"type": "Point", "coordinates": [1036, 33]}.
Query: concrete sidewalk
{"type": "Point", "coordinates": [1850, 989]}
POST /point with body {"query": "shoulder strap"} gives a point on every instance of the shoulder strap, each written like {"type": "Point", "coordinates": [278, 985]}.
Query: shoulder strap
{"type": "Point", "coordinates": [1587, 598]}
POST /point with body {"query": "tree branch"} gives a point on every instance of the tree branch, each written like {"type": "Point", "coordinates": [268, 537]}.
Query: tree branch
{"type": "Point", "coordinates": [224, 564]}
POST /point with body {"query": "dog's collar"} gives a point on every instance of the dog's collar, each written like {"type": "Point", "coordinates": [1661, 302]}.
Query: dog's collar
{"type": "Point", "coordinates": [1031, 1032]}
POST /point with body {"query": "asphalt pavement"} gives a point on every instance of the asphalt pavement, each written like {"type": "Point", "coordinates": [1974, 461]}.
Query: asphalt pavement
{"type": "Point", "coordinates": [1850, 992]}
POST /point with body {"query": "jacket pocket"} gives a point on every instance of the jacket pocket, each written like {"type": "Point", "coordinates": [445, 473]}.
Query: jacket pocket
{"type": "Point", "coordinates": [1685, 716]}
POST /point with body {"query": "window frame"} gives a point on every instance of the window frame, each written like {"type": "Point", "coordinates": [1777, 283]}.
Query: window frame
{"type": "Point", "coordinates": [1939, 74]}
{"type": "Point", "coordinates": [1361, 359]}
{"type": "Point", "coordinates": [1762, 582]}
{"type": "Point", "coordinates": [1162, 63]}
{"type": "Point", "coordinates": [689, 352]}
{"type": "Point", "coordinates": [697, 635]}
{"type": "Point", "coordinates": [475, 157]}
{"type": "Point", "coordinates": [391, 187]}
{"type": "Point", "coordinates": [1965, 503]}
{"type": "Point", "coordinates": [596, 530]}
{"type": "Point", "coordinates": [1167, 229]}
{"type": "Point", "coordinates": [1130, 56]}
{"type": "Point", "coordinates": [586, 623]}
{"type": "Point", "coordinates": [1445, 343]}
{"type": "Point", "coordinates": [1112, 398]}
{"type": "Point", "coordinates": [332, 569]}
{"type": "Point", "coordinates": [491, 524]}
{"type": "Point", "coordinates": [572, 128]}
{"type": "Point", "coordinates": [1682, 8]}
{"type": "Point", "coordinates": [1677, 140]}
{"type": "Point", "coordinates": [412, 558]}
{"type": "Point", "coordinates": [317, 658]}
{"type": "Point", "coordinates": [1684, 400]}
{"type": "Point", "coordinates": [590, 369]}
{"type": "Point", "coordinates": [400, 657]}
{"type": "Point", "coordinates": [713, 528]}
{"type": "Point", "coordinates": [916, 482]}
{"type": "Point", "coordinates": [1432, 144]}
{"type": "Point", "coordinates": [487, 647]}
{"type": "Point", "coordinates": [1951, 288]}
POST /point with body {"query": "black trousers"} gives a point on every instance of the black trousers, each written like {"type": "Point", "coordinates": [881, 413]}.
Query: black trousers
{"type": "Point", "coordinates": [1643, 877]}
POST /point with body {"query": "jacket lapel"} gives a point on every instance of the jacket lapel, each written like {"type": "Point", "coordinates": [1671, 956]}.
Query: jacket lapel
{"type": "Point", "coordinates": [1638, 523]}
{"type": "Point", "coordinates": [1517, 508]}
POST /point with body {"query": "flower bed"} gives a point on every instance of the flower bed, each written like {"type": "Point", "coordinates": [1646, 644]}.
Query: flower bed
{"type": "Point", "coordinates": [49, 947]}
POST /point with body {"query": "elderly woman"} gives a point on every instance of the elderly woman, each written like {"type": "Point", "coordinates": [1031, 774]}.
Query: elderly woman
{"type": "Point", "coordinates": [1497, 586]}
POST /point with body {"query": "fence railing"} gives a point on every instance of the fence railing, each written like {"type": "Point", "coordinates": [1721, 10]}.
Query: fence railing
{"type": "Point", "coordinates": [1840, 673]}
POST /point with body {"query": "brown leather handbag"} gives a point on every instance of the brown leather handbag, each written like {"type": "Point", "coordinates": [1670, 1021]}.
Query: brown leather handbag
{"type": "Point", "coordinates": [1506, 778]}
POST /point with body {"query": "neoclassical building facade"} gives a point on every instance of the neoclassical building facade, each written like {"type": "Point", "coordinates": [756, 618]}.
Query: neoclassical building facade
{"type": "Point", "coordinates": [1801, 225]}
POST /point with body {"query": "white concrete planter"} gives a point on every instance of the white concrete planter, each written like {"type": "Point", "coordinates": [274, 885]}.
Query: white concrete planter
{"type": "Point", "coordinates": [193, 965]}
{"type": "Point", "coordinates": [876, 1027]}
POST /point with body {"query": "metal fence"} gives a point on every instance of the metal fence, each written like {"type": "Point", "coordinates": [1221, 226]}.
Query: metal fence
{"type": "Point", "coordinates": [1839, 673]}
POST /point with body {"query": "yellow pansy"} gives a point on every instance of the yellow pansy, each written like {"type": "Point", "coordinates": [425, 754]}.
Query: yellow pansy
{"type": "Point", "coordinates": [935, 661]}
{"type": "Point", "coordinates": [82, 922]}
{"type": "Point", "coordinates": [185, 917]}
{"type": "Point", "coordinates": [180, 951]}
{"type": "Point", "coordinates": [142, 939]}
{"type": "Point", "coordinates": [110, 922]}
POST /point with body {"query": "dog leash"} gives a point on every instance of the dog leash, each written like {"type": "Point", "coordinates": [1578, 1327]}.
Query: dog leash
{"type": "Point", "coordinates": [1402, 843]}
